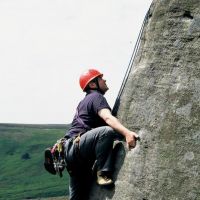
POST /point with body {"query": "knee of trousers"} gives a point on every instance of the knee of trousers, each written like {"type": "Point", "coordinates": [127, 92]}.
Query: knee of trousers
{"type": "Point", "coordinates": [107, 131]}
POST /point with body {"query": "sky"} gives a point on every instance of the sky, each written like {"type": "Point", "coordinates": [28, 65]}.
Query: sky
{"type": "Point", "coordinates": [46, 44]}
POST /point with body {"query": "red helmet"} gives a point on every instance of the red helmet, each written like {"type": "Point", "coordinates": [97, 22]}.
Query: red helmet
{"type": "Point", "coordinates": [87, 76]}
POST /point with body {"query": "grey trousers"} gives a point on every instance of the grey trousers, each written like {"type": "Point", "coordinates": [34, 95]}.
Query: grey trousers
{"type": "Point", "coordinates": [95, 146]}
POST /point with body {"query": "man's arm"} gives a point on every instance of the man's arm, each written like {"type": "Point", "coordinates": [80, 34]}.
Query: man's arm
{"type": "Point", "coordinates": [113, 122]}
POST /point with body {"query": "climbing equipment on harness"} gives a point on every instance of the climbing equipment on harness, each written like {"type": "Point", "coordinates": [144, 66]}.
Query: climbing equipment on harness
{"type": "Point", "coordinates": [59, 157]}
{"type": "Point", "coordinates": [54, 158]}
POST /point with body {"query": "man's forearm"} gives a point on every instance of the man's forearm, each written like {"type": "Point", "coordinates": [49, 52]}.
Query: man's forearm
{"type": "Point", "coordinates": [116, 125]}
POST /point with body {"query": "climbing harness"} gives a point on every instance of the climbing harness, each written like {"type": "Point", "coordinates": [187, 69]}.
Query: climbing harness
{"type": "Point", "coordinates": [130, 65]}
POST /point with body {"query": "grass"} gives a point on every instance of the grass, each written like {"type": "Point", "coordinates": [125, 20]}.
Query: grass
{"type": "Point", "coordinates": [22, 155]}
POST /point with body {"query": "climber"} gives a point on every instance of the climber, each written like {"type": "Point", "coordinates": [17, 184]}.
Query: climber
{"type": "Point", "coordinates": [90, 138]}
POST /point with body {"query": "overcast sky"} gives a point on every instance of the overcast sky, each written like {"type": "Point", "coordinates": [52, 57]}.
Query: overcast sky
{"type": "Point", "coordinates": [46, 44]}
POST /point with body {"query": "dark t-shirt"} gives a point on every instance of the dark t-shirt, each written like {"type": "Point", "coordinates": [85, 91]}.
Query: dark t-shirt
{"type": "Point", "coordinates": [86, 116]}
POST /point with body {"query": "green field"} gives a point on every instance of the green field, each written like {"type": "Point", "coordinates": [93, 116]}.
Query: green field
{"type": "Point", "coordinates": [22, 175]}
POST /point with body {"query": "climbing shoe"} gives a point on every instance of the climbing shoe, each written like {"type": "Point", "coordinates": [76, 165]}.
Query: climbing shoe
{"type": "Point", "coordinates": [103, 179]}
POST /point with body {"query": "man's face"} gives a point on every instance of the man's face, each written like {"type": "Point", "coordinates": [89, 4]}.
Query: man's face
{"type": "Point", "coordinates": [102, 84]}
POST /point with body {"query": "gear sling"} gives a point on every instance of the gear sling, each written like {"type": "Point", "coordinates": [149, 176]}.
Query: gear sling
{"type": "Point", "coordinates": [62, 154]}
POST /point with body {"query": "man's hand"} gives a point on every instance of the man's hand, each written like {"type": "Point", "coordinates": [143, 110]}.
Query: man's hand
{"type": "Point", "coordinates": [131, 138]}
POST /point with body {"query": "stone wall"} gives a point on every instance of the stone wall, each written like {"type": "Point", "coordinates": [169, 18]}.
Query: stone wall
{"type": "Point", "coordinates": [161, 102]}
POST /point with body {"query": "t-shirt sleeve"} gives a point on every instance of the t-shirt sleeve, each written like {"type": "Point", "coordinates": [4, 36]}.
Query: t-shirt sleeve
{"type": "Point", "coordinates": [100, 102]}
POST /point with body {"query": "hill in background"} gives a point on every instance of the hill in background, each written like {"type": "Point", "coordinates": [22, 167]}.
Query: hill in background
{"type": "Point", "coordinates": [22, 155]}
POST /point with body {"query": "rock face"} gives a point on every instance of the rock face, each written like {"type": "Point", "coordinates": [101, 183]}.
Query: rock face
{"type": "Point", "coordinates": [161, 102]}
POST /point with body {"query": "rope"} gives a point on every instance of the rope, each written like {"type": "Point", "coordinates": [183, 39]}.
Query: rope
{"type": "Point", "coordinates": [130, 65]}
